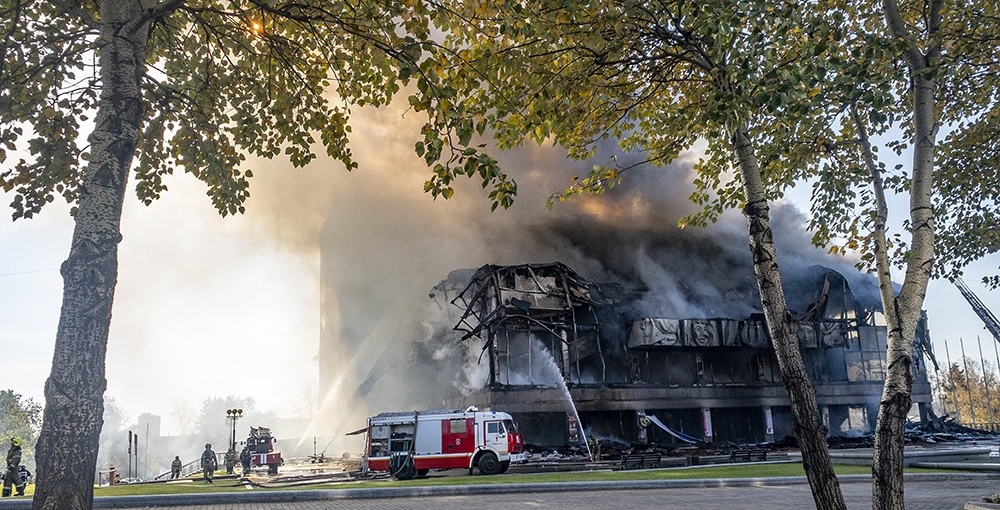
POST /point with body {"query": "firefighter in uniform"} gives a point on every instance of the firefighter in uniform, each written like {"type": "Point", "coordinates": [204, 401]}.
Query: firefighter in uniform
{"type": "Point", "coordinates": [245, 460]}
{"type": "Point", "coordinates": [175, 467]}
{"type": "Point", "coordinates": [208, 463]}
{"type": "Point", "coordinates": [12, 475]}
{"type": "Point", "coordinates": [231, 459]}
{"type": "Point", "coordinates": [595, 447]}
{"type": "Point", "coordinates": [25, 475]}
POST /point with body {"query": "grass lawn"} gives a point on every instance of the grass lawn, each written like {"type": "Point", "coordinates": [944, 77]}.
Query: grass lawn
{"type": "Point", "coordinates": [722, 471]}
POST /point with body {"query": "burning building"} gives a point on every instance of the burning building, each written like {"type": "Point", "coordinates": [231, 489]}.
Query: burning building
{"type": "Point", "coordinates": [565, 353]}
{"type": "Point", "coordinates": [639, 318]}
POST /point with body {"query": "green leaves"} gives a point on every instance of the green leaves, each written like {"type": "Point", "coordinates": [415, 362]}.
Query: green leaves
{"type": "Point", "coordinates": [866, 73]}
{"type": "Point", "coordinates": [39, 115]}
{"type": "Point", "coordinates": [654, 77]}
{"type": "Point", "coordinates": [226, 80]}
{"type": "Point", "coordinates": [658, 77]}
{"type": "Point", "coordinates": [966, 208]}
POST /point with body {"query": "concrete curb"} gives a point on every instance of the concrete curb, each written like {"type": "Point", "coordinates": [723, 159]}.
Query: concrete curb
{"type": "Point", "coordinates": [259, 496]}
{"type": "Point", "coordinates": [981, 506]}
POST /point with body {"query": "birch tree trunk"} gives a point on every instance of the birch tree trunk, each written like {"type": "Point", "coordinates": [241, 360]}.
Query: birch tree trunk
{"type": "Point", "coordinates": [806, 418]}
{"type": "Point", "coordinates": [66, 453]}
{"type": "Point", "coordinates": [902, 312]}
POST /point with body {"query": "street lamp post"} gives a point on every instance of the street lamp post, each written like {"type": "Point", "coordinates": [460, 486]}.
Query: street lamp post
{"type": "Point", "coordinates": [233, 415]}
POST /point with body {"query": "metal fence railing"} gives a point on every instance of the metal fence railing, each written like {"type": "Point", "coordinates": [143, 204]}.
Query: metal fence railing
{"type": "Point", "coordinates": [186, 470]}
{"type": "Point", "coordinates": [987, 426]}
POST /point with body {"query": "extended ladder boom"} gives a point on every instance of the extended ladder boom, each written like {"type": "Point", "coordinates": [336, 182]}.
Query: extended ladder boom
{"type": "Point", "coordinates": [992, 324]}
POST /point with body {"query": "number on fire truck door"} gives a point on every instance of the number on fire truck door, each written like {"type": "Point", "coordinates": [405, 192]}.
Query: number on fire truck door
{"type": "Point", "coordinates": [458, 435]}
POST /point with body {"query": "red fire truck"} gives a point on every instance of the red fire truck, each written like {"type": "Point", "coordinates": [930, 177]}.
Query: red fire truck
{"type": "Point", "coordinates": [260, 442]}
{"type": "Point", "coordinates": [409, 444]}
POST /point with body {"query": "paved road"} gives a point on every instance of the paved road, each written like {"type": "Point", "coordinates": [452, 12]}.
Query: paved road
{"type": "Point", "coordinates": [920, 496]}
{"type": "Point", "coordinates": [923, 492]}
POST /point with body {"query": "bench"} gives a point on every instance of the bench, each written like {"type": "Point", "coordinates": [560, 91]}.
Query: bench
{"type": "Point", "coordinates": [640, 461]}
{"type": "Point", "coordinates": [748, 455]}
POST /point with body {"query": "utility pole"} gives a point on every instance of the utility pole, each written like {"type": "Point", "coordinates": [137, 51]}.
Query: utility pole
{"type": "Point", "coordinates": [951, 383]}
{"type": "Point", "coordinates": [136, 475]}
{"type": "Point", "coordinates": [968, 387]}
{"type": "Point", "coordinates": [986, 386]}
{"type": "Point", "coordinates": [130, 454]}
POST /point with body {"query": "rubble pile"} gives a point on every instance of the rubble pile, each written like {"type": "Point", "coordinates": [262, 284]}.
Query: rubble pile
{"type": "Point", "coordinates": [934, 430]}
{"type": "Point", "coordinates": [944, 429]}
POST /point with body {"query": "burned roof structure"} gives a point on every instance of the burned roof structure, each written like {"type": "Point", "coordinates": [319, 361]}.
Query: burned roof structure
{"type": "Point", "coordinates": [559, 346]}
{"type": "Point", "coordinates": [520, 309]}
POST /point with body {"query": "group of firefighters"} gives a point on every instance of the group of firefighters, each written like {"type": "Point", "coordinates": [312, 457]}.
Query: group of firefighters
{"type": "Point", "coordinates": [209, 463]}
{"type": "Point", "coordinates": [15, 475]}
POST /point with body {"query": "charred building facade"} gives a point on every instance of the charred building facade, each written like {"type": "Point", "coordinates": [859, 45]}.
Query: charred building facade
{"type": "Point", "coordinates": [566, 354]}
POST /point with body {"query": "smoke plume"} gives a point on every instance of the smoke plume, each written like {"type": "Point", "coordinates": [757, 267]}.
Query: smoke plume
{"type": "Point", "coordinates": [384, 244]}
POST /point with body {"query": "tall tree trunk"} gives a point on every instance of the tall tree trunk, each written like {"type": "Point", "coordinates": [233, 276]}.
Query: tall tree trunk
{"type": "Point", "coordinates": [806, 418]}
{"type": "Point", "coordinates": [66, 453]}
{"type": "Point", "coordinates": [902, 312]}
{"type": "Point", "coordinates": [887, 464]}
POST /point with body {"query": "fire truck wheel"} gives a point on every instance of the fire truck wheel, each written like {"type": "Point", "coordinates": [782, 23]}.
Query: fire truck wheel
{"type": "Point", "coordinates": [423, 472]}
{"type": "Point", "coordinates": [489, 464]}
{"type": "Point", "coordinates": [272, 469]}
{"type": "Point", "coordinates": [504, 466]}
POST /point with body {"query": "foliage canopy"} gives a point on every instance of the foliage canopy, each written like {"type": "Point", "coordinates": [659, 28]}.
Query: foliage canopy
{"type": "Point", "coordinates": [658, 77]}
{"type": "Point", "coordinates": [226, 80]}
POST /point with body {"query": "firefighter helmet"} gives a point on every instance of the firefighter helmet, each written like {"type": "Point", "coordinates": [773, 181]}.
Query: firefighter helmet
{"type": "Point", "coordinates": [16, 441]}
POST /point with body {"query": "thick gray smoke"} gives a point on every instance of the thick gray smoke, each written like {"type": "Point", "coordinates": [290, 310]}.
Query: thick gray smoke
{"type": "Point", "coordinates": [385, 244]}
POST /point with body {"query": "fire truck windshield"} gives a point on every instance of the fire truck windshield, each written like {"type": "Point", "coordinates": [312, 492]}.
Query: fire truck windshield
{"type": "Point", "coordinates": [510, 425]}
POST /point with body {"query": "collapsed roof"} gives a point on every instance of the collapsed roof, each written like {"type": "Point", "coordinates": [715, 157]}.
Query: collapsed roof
{"type": "Point", "coordinates": [512, 308]}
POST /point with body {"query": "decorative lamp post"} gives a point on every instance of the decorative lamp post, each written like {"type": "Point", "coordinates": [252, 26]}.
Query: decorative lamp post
{"type": "Point", "coordinates": [233, 415]}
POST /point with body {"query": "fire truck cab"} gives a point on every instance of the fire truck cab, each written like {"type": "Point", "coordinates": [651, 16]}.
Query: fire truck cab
{"type": "Point", "coordinates": [411, 443]}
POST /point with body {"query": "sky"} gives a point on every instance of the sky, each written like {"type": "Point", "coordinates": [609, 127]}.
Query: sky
{"type": "Point", "coordinates": [208, 306]}
{"type": "Point", "coordinates": [198, 296]}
